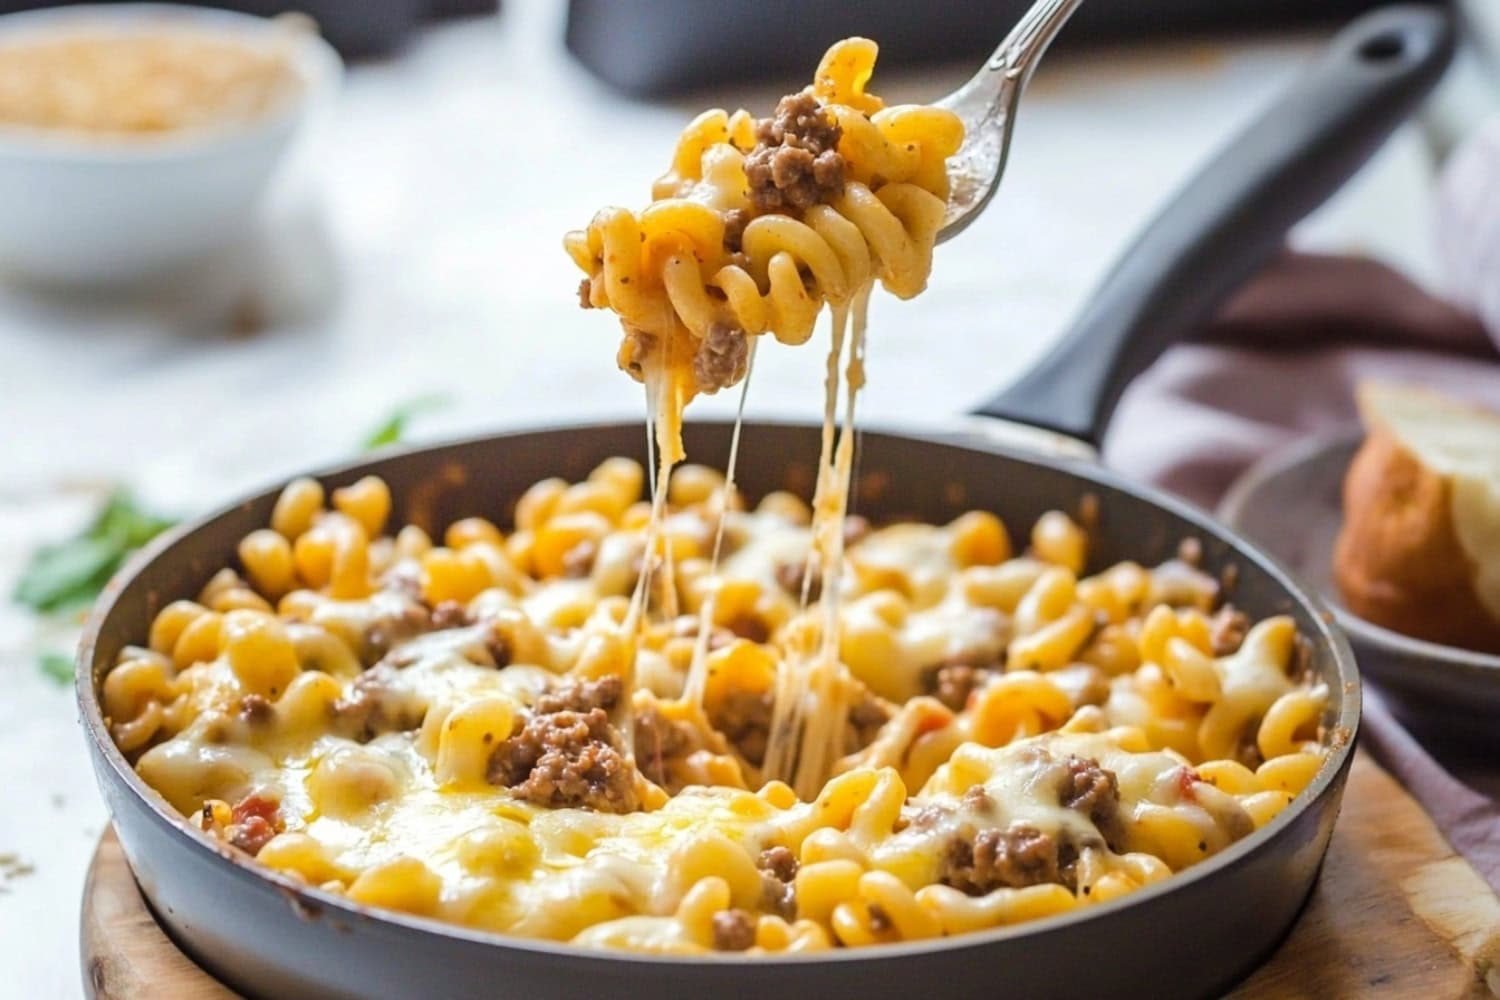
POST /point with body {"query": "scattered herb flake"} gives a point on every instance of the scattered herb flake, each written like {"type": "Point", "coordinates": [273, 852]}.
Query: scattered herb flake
{"type": "Point", "coordinates": [56, 667]}
{"type": "Point", "coordinates": [58, 574]}
{"type": "Point", "coordinates": [12, 866]}
{"type": "Point", "coordinates": [393, 429]}
{"type": "Point", "coordinates": [69, 575]}
{"type": "Point", "coordinates": [122, 520]}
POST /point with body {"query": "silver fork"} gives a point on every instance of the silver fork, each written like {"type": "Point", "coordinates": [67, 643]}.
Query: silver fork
{"type": "Point", "coordinates": [987, 105]}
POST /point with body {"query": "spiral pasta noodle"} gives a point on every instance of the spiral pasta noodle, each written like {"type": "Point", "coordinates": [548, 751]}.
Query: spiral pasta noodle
{"type": "Point", "coordinates": [719, 255]}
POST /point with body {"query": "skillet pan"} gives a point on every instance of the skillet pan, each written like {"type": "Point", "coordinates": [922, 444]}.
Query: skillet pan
{"type": "Point", "coordinates": [1192, 935]}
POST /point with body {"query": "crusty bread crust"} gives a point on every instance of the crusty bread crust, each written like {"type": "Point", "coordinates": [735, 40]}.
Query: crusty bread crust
{"type": "Point", "coordinates": [1398, 562]}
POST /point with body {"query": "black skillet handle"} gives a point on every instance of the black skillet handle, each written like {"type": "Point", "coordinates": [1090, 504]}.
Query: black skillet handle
{"type": "Point", "coordinates": [1233, 216]}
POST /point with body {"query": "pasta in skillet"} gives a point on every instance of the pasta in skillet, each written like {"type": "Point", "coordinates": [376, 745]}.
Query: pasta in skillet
{"type": "Point", "coordinates": [438, 728]}
{"type": "Point", "coordinates": [668, 722]}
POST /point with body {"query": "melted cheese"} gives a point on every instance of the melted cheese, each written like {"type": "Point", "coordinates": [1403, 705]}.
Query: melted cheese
{"type": "Point", "coordinates": [408, 818]}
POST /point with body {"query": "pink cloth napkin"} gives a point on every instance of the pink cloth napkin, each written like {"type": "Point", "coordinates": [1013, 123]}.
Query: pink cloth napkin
{"type": "Point", "coordinates": [1281, 362]}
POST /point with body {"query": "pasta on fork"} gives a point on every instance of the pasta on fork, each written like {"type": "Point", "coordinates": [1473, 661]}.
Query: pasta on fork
{"type": "Point", "coordinates": [758, 225]}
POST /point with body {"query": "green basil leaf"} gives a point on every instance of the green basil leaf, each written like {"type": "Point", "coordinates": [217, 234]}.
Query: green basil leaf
{"type": "Point", "coordinates": [56, 666]}
{"type": "Point", "coordinates": [69, 575]}
{"type": "Point", "coordinates": [124, 521]}
{"type": "Point", "coordinates": [59, 574]}
{"type": "Point", "coordinates": [393, 429]}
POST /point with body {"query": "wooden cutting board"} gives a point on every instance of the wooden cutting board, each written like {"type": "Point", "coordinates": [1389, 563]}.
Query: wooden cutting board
{"type": "Point", "coordinates": [1396, 914]}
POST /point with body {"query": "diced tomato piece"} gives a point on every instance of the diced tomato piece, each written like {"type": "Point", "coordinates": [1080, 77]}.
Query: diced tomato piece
{"type": "Point", "coordinates": [933, 721]}
{"type": "Point", "coordinates": [253, 834]}
{"type": "Point", "coordinates": [259, 806]}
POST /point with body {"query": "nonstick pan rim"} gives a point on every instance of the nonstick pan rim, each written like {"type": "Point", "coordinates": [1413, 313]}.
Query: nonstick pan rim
{"type": "Point", "coordinates": [300, 896]}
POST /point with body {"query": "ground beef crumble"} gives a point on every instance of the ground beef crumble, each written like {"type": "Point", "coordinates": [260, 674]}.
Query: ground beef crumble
{"type": "Point", "coordinates": [920, 818]}
{"type": "Point", "coordinates": [795, 163]}
{"type": "Point", "coordinates": [734, 930]}
{"type": "Point", "coordinates": [449, 614]}
{"type": "Point", "coordinates": [659, 742]}
{"type": "Point", "coordinates": [1094, 791]}
{"type": "Point", "coordinates": [496, 642]}
{"type": "Point", "coordinates": [1228, 630]}
{"type": "Point", "coordinates": [256, 710]}
{"type": "Point", "coordinates": [748, 626]}
{"type": "Point", "coordinates": [778, 867]}
{"type": "Point", "coordinates": [370, 708]}
{"type": "Point", "coordinates": [1020, 855]}
{"type": "Point", "coordinates": [686, 627]}
{"type": "Point", "coordinates": [744, 717]}
{"type": "Point", "coordinates": [977, 799]}
{"type": "Point", "coordinates": [581, 696]}
{"type": "Point", "coordinates": [952, 683]}
{"type": "Point", "coordinates": [789, 575]}
{"type": "Point", "coordinates": [1013, 858]}
{"type": "Point", "coordinates": [723, 358]}
{"type": "Point", "coordinates": [735, 221]}
{"type": "Point", "coordinates": [778, 862]}
{"type": "Point", "coordinates": [634, 349]}
{"type": "Point", "coordinates": [393, 624]}
{"type": "Point", "coordinates": [866, 718]}
{"type": "Point", "coordinates": [378, 703]}
{"type": "Point", "coordinates": [567, 754]}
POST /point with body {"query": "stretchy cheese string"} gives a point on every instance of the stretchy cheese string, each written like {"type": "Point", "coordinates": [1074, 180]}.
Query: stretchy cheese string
{"type": "Point", "coordinates": [796, 677]}
{"type": "Point", "coordinates": [811, 707]}
{"type": "Point", "coordinates": [698, 672]}
{"type": "Point", "coordinates": [825, 455]}
{"type": "Point", "coordinates": [635, 618]}
{"type": "Point", "coordinates": [824, 732]}
{"type": "Point", "coordinates": [650, 442]}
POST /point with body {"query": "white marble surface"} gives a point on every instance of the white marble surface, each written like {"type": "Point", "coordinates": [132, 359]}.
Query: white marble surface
{"type": "Point", "coordinates": [414, 247]}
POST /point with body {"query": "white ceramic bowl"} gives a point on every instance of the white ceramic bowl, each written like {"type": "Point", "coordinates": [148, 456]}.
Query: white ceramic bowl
{"type": "Point", "coordinates": [102, 212]}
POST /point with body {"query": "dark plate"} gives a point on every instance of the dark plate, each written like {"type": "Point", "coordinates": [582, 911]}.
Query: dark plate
{"type": "Point", "coordinates": [1291, 504]}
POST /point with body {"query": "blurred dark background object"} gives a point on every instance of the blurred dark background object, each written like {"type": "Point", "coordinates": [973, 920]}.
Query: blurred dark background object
{"type": "Point", "coordinates": [354, 27]}
{"type": "Point", "coordinates": [656, 47]}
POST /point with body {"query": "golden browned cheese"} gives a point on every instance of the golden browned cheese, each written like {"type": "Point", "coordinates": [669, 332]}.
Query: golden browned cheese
{"type": "Point", "coordinates": [1398, 561]}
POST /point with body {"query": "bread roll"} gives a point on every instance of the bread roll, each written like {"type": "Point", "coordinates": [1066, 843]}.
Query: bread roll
{"type": "Point", "coordinates": [1419, 551]}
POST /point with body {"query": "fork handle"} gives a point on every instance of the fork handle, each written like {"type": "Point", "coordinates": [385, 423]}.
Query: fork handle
{"type": "Point", "coordinates": [1233, 215]}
